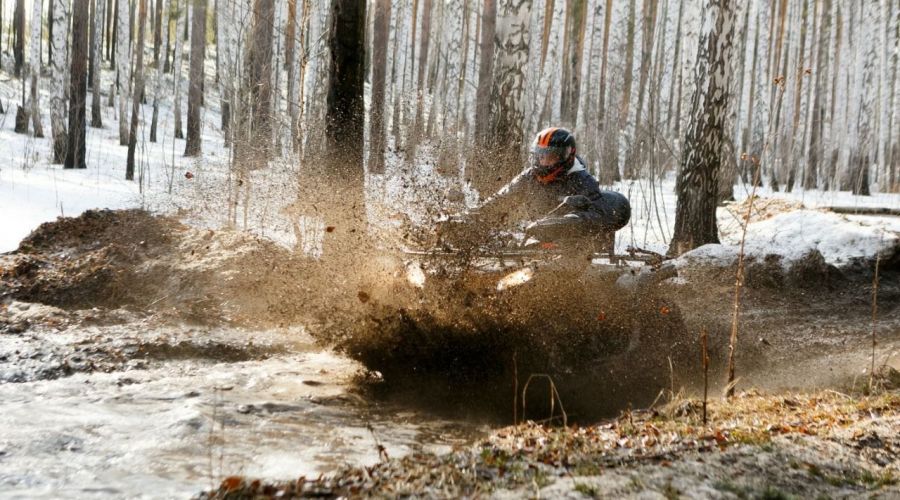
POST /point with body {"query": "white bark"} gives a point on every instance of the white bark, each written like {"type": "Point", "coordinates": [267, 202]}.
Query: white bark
{"type": "Point", "coordinates": [123, 61]}
{"type": "Point", "coordinates": [58, 79]}
{"type": "Point", "coordinates": [177, 63]}
{"type": "Point", "coordinates": [97, 55]}
{"type": "Point", "coordinates": [35, 67]}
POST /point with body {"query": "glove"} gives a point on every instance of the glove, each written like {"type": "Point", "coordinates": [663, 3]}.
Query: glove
{"type": "Point", "coordinates": [578, 202]}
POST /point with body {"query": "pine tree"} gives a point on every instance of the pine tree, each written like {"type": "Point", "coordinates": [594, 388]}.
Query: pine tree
{"type": "Point", "coordinates": [76, 150]}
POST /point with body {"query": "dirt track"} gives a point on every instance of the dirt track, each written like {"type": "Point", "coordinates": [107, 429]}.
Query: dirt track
{"type": "Point", "coordinates": [131, 275]}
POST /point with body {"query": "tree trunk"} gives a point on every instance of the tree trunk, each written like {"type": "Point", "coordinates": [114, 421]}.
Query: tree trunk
{"type": "Point", "coordinates": [628, 72]}
{"type": "Point", "coordinates": [572, 49]}
{"type": "Point", "coordinates": [157, 30]}
{"type": "Point", "coordinates": [255, 146]}
{"type": "Point", "coordinates": [485, 72]}
{"type": "Point", "coordinates": [816, 152]}
{"type": "Point", "coordinates": [159, 72]}
{"type": "Point", "coordinates": [340, 201]}
{"type": "Point", "coordinates": [58, 80]}
{"type": "Point", "coordinates": [96, 44]}
{"type": "Point", "coordinates": [507, 106]}
{"type": "Point", "coordinates": [415, 129]}
{"type": "Point", "coordinates": [35, 65]}
{"type": "Point", "coordinates": [138, 90]}
{"type": "Point", "coordinates": [49, 32]}
{"type": "Point", "coordinates": [123, 62]}
{"type": "Point", "coordinates": [866, 116]}
{"type": "Point", "coordinates": [697, 184]}
{"type": "Point", "coordinates": [109, 29]}
{"type": "Point", "coordinates": [379, 71]}
{"type": "Point", "coordinates": [19, 29]}
{"type": "Point", "coordinates": [1, 43]}
{"type": "Point", "coordinates": [609, 168]}
{"type": "Point", "coordinates": [176, 67]}
{"type": "Point", "coordinates": [195, 92]}
{"type": "Point", "coordinates": [75, 152]}
{"type": "Point", "coordinates": [648, 24]}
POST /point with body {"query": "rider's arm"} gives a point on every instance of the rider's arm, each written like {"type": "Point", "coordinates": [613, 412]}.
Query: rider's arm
{"type": "Point", "coordinates": [608, 209]}
{"type": "Point", "coordinates": [498, 206]}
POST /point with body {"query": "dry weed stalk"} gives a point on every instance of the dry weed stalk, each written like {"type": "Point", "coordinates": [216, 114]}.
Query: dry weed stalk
{"type": "Point", "coordinates": [874, 319]}
{"type": "Point", "coordinates": [515, 389]}
{"type": "Point", "coordinates": [554, 397]}
{"type": "Point", "coordinates": [704, 359]}
{"type": "Point", "coordinates": [738, 286]}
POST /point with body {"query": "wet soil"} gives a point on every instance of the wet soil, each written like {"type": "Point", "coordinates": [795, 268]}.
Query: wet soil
{"type": "Point", "coordinates": [113, 316]}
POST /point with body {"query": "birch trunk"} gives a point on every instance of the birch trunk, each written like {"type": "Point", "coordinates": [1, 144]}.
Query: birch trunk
{"type": "Point", "coordinates": [697, 185]}
{"type": "Point", "coordinates": [159, 73]}
{"type": "Point", "coordinates": [96, 56]}
{"type": "Point", "coordinates": [138, 90]}
{"type": "Point", "coordinates": [58, 80]}
{"type": "Point", "coordinates": [123, 61]}
{"type": "Point", "coordinates": [177, 63]}
{"type": "Point", "coordinates": [35, 67]}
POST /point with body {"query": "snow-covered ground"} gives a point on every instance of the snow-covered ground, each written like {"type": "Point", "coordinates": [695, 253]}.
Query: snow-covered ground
{"type": "Point", "coordinates": [33, 191]}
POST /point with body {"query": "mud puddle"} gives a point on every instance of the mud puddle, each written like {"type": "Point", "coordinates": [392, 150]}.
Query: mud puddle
{"type": "Point", "coordinates": [166, 411]}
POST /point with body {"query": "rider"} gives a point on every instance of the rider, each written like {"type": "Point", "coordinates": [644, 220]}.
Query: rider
{"type": "Point", "coordinates": [558, 194]}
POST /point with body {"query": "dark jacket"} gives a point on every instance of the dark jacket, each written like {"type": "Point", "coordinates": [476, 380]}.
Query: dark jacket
{"type": "Point", "coordinates": [525, 199]}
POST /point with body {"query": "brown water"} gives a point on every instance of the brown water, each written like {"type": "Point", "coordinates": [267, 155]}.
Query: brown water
{"type": "Point", "coordinates": [137, 411]}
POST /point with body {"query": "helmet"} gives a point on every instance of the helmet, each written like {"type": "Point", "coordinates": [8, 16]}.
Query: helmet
{"type": "Point", "coordinates": [553, 149]}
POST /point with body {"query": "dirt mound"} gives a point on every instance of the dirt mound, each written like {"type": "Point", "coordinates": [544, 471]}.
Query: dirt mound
{"type": "Point", "coordinates": [156, 265]}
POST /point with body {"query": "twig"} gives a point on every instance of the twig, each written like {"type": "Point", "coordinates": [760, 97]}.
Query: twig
{"type": "Point", "coordinates": [704, 358]}
{"type": "Point", "coordinates": [874, 319]}
{"type": "Point", "coordinates": [554, 394]}
{"type": "Point", "coordinates": [738, 285]}
{"type": "Point", "coordinates": [515, 389]}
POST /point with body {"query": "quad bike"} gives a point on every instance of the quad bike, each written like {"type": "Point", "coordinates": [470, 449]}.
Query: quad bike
{"type": "Point", "coordinates": [480, 309]}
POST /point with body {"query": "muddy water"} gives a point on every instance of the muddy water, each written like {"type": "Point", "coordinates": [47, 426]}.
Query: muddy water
{"type": "Point", "coordinates": [136, 410]}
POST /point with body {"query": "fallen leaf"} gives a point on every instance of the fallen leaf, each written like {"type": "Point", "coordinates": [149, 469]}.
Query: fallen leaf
{"type": "Point", "coordinates": [232, 483]}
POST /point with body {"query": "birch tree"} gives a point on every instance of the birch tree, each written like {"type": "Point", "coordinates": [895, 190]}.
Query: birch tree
{"type": "Point", "coordinates": [35, 68]}
{"type": "Point", "coordinates": [99, 7]}
{"type": "Point", "coordinates": [58, 80]}
{"type": "Point", "coordinates": [159, 73]}
{"type": "Point", "coordinates": [697, 186]}
{"type": "Point", "coordinates": [511, 56]}
{"type": "Point", "coordinates": [123, 62]}
{"type": "Point", "coordinates": [865, 151]}
{"type": "Point", "coordinates": [180, 22]}
{"type": "Point", "coordinates": [138, 90]}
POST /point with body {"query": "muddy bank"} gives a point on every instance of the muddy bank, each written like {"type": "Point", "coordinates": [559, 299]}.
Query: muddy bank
{"type": "Point", "coordinates": [820, 445]}
{"type": "Point", "coordinates": [156, 266]}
